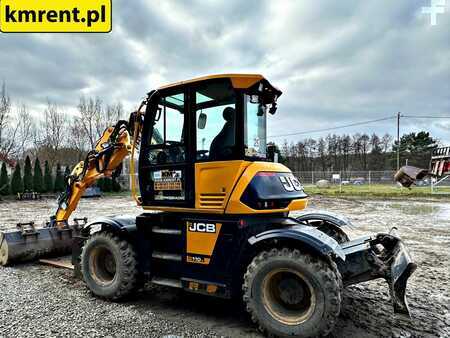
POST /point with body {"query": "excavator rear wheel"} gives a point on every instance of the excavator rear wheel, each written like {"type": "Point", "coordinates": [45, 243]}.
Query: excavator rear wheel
{"type": "Point", "coordinates": [292, 294]}
{"type": "Point", "coordinates": [109, 266]}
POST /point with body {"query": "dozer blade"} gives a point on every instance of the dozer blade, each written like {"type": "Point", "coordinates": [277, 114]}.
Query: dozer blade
{"type": "Point", "coordinates": [407, 175]}
{"type": "Point", "coordinates": [401, 269]}
{"type": "Point", "coordinates": [29, 243]}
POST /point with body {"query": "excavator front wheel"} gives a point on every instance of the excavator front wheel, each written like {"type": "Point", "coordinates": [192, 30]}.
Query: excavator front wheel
{"type": "Point", "coordinates": [109, 266]}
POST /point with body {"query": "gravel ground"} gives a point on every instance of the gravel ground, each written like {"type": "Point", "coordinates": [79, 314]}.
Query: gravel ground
{"type": "Point", "coordinates": [37, 300]}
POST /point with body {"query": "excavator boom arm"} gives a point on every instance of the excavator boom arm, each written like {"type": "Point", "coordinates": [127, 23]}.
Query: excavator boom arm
{"type": "Point", "coordinates": [107, 157]}
{"type": "Point", "coordinates": [28, 242]}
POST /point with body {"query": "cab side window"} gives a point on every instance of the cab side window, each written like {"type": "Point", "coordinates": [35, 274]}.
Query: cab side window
{"type": "Point", "coordinates": [216, 122]}
{"type": "Point", "coordinates": [167, 140]}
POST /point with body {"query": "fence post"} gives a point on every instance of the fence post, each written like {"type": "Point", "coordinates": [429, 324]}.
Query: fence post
{"type": "Point", "coordinates": [370, 178]}
{"type": "Point", "coordinates": [312, 177]}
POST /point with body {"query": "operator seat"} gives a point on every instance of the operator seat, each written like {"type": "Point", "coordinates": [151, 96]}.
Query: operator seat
{"type": "Point", "coordinates": [222, 146]}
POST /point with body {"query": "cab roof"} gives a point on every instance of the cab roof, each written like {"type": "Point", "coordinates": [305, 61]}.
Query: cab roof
{"type": "Point", "coordinates": [240, 81]}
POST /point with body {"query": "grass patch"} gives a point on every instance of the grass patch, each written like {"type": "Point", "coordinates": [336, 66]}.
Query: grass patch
{"type": "Point", "coordinates": [378, 191]}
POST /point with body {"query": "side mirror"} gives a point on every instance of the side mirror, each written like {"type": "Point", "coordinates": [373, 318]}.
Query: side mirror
{"type": "Point", "coordinates": [261, 110]}
{"type": "Point", "coordinates": [202, 121]}
{"type": "Point", "coordinates": [254, 98]}
{"type": "Point", "coordinates": [273, 108]}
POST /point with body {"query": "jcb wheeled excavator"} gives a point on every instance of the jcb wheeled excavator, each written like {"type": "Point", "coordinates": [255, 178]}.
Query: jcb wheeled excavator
{"type": "Point", "coordinates": [219, 217]}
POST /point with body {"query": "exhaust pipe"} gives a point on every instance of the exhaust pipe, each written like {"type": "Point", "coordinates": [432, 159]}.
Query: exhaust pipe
{"type": "Point", "coordinates": [29, 243]}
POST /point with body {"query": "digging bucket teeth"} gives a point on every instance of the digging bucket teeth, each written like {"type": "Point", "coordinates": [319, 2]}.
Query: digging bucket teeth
{"type": "Point", "coordinates": [28, 243]}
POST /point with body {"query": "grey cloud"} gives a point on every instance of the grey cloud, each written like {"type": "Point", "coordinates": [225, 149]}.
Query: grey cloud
{"type": "Point", "coordinates": [336, 61]}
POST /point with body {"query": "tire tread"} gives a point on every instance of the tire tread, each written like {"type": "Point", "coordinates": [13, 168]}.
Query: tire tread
{"type": "Point", "coordinates": [130, 278]}
{"type": "Point", "coordinates": [325, 270]}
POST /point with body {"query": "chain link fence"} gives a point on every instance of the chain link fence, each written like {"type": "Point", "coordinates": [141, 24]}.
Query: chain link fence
{"type": "Point", "coordinates": [347, 177]}
{"type": "Point", "coordinates": [369, 177]}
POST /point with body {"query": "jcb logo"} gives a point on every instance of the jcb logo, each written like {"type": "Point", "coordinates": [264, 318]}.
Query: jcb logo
{"type": "Point", "coordinates": [202, 227]}
{"type": "Point", "coordinates": [291, 183]}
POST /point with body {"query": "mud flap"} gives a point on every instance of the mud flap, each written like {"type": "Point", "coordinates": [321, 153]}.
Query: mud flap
{"type": "Point", "coordinates": [384, 256]}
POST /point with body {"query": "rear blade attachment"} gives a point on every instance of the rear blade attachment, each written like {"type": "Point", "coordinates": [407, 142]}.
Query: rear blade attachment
{"type": "Point", "coordinates": [401, 269]}
{"type": "Point", "coordinates": [384, 256]}
{"type": "Point", "coordinates": [28, 242]}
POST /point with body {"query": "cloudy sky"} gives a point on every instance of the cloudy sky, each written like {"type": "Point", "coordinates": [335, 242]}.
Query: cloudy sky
{"type": "Point", "coordinates": [337, 62]}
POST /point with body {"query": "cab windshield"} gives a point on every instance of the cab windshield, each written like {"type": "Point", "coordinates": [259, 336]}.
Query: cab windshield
{"type": "Point", "coordinates": [255, 120]}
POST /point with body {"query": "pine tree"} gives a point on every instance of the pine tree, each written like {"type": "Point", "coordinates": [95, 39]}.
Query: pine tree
{"type": "Point", "coordinates": [4, 180]}
{"type": "Point", "coordinates": [27, 175]}
{"type": "Point", "coordinates": [100, 183]}
{"type": "Point", "coordinates": [38, 179]}
{"type": "Point", "coordinates": [48, 178]}
{"type": "Point", "coordinates": [67, 172]}
{"type": "Point", "coordinates": [116, 185]}
{"type": "Point", "coordinates": [59, 179]}
{"type": "Point", "coordinates": [16, 180]}
{"type": "Point", "coordinates": [107, 184]}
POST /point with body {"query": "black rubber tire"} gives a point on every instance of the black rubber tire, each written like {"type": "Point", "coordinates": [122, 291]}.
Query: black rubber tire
{"type": "Point", "coordinates": [323, 277]}
{"type": "Point", "coordinates": [329, 229]}
{"type": "Point", "coordinates": [334, 232]}
{"type": "Point", "coordinates": [124, 281]}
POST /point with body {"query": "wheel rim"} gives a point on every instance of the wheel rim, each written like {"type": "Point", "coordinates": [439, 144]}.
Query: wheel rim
{"type": "Point", "coordinates": [102, 265]}
{"type": "Point", "coordinates": [288, 296]}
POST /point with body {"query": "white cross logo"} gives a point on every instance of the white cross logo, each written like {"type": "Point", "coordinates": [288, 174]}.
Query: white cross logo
{"type": "Point", "coordinates": [436, 7]}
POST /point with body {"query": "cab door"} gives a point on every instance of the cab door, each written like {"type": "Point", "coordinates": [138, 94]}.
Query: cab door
{"type": "Point", "coordinates": [166, 171]}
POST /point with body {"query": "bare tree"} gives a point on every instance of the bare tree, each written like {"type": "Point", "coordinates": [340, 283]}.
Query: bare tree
{"type": "Point", "coordinates": [110, 116]}
{"type": "Point", "coordinates": [386, 142]}
{"type": "Point", "coordinates": [5, 111]}
{"type": "Point", "coordinates": [364, 149]}
{"type": "Point", "coordinates": [347, 152]}
{"type": "Point", "coordinates": [90, 118]}
{"type": "Point", "coordinates": [7, 129]}
{"type": "Point", "coordinates": [322, 153]}
{"type": "Point", "coordinates": [346, 149]}
{"type": "Point", "coordinates": [80, 139]}
{"type": "Point", "coordinates": [285, 149]}
{"type": "Point", "coordinates": [26, 129]}
{"type": "Point", "coordinates": [310, 150]}
{"type": "Point", "coordinates": [54, 130]}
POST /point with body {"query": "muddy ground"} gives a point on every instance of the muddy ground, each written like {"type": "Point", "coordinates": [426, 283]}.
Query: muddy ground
{"type": "Point", "coordinates": [37, 300]}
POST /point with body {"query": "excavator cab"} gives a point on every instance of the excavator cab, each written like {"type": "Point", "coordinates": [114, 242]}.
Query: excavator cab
{"type": "Point", "coordinates": [198, 138]}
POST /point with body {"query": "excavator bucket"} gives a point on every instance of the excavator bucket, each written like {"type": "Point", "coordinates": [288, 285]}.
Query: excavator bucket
{"type": "Point", "coordinates": [28, 243]}
{"type": "Point", "coordinates": [407, 175]}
